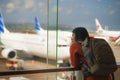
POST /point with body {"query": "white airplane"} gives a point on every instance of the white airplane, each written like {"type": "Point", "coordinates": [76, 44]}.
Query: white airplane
{"type": "Point", "coordinates": [111, 34]}
{"type": "Point", "coordinates": [33, 44]}
{"type": "Point", "coordinates": [65, 35]}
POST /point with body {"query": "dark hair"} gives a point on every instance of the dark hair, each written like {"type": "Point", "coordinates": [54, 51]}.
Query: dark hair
{"type": "Point", "coordinates": [81, 33]}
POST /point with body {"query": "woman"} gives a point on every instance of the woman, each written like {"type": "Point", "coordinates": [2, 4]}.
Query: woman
{"type": "Point", "coordinates": [76, 55]}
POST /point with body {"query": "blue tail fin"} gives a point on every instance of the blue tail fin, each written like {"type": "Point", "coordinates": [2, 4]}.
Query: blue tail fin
{"type": "Point", "coordinates": [1, 24]}
{"type": "Point", "coordinates": [37, 26]}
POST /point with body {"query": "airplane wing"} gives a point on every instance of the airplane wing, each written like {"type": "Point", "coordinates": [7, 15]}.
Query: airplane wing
{"type": "Point", "coordinates": [117, 42]}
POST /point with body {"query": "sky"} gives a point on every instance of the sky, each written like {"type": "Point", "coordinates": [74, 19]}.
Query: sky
{"type": "Point", "coordinates": [70, 12]}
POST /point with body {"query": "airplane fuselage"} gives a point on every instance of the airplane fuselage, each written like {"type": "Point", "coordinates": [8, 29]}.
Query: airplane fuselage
{"type": "Point", "coordinates": [109, 33]}
{"type": "Point", "coordinates": [36, 45]}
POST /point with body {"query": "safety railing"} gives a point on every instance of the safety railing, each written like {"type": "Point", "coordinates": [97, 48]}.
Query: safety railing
{"type": "Point", "coordinates": [6, 73]}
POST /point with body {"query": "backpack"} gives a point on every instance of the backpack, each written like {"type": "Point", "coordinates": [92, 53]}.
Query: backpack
{"type": "Point", "coordinates": [99, 56]}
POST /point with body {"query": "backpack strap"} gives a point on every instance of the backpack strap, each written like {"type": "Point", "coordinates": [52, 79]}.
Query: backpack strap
{"type": "Point", "coordinates": [88, 44]}
{"type": "Point", "coordinates": [92, 52]}
{"type": "Point", "coordinates": [85, 43]}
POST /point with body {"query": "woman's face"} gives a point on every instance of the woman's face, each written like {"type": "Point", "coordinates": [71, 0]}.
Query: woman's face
{"type": "Point", "coordinates": [73, 37]}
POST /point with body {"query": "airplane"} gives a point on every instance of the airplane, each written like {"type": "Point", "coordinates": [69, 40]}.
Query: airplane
{"type": "Point", "coordinates": [102, 32]}
{"type": "Point", "coordinates": [33, 44]}
{"type": "Point", "coordinates": [65, 35]}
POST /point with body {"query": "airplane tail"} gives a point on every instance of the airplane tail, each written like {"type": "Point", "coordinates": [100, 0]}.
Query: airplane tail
{"type": "Point", "coordinates": [2, 26]}
{"type": "Point", "coordinates": [98, 26]}
{"type": "Point", "coordinates": [37, 26]}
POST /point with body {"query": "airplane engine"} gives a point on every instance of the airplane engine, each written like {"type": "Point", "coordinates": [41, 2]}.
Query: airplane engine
{"type": "Point", "coordinates": [9, 53]}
